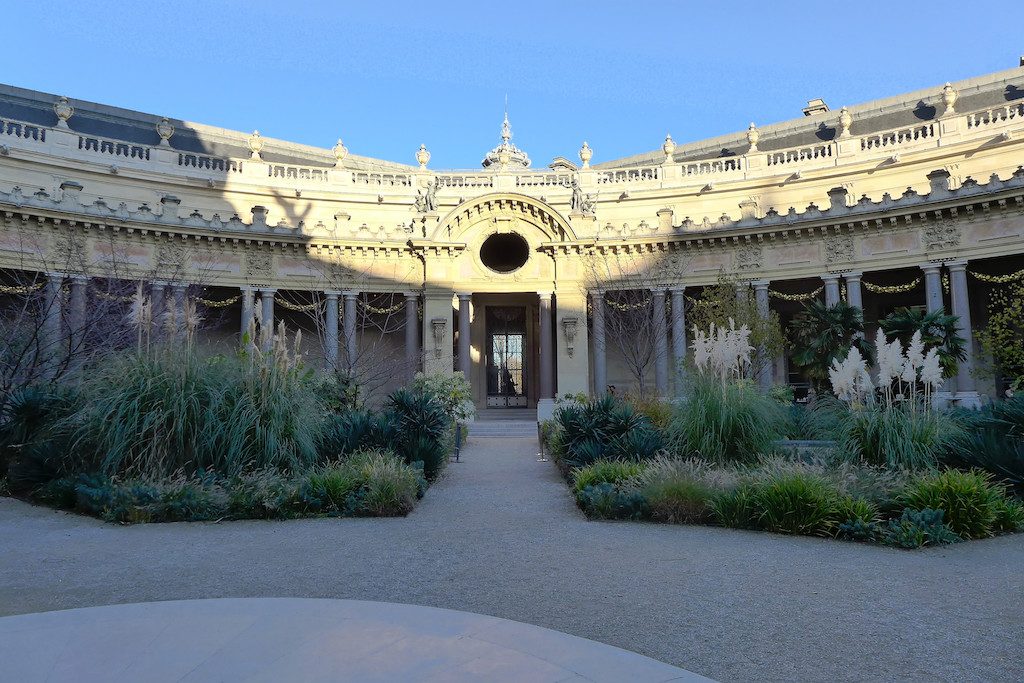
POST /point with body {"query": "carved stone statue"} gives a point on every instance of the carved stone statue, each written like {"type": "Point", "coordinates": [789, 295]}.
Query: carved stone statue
{"type": "Point", "coordinates": [426, 202]}
{"type": "Point", "coordinates": [576, 203]}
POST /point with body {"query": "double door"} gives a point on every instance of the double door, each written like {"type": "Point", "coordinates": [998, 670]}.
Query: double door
{"type": "Point", "coordinates": [506, 357]}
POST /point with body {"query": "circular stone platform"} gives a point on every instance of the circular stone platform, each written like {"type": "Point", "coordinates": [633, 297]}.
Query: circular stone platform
{"type": "Point", "coordinates": [279, 639]}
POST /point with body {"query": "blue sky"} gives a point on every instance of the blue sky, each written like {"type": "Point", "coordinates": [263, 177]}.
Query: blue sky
{"type": "Point", "coordinates": [387, 76]}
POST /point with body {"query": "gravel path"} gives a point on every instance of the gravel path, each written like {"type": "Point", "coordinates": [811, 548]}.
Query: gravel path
{"type": "Point", "coordinates": [499, 535]}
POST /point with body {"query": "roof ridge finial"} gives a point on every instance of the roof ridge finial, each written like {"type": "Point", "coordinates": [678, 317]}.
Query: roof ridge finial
{"type": "Point", "coordinates": [506, 127]}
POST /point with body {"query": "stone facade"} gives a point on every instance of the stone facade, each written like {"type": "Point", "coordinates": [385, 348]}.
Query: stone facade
{"type": "Point", "coordinates": [864, 190]}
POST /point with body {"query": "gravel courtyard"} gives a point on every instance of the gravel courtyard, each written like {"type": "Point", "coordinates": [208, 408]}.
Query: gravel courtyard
{"type": "Point", "coordinates": [499, 535]}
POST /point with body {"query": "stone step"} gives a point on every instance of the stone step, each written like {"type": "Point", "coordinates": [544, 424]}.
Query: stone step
{"type": "Point", "coordinates": [503, 428]}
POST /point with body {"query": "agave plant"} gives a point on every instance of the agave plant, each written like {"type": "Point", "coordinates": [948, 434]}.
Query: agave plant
{"type": "Point", "coordinates": [822, 333]}
{"type": "Point", "coordinates": [938, 331]}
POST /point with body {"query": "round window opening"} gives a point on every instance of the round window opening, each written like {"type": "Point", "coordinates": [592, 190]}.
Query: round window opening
{"type": "Point", "coordinates": [504, 252]}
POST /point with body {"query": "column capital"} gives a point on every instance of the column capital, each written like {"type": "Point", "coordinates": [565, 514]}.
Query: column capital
{"type": "Point", "coordinates": [332, 293]}
{"type": "Point", "coordinates": [678, 289]}
{"type": "Point", "coordinates": [853, 275]}
{"type": "Point", "coordinates": [545, 295]}
{"type": "Point", "coordinates": [957, 265]}
{"type": "Point", "coordinates": [465, 296]}
{"type": "Point", "coordinates": [830, 278]}
{"type": "Point", "coordinates": [659, 290]}
{"type": "Point", "coordinates": [350, 293]}
{"type": "Point", "coordinates": [51, 275]}
{"type": "Point", "coordinates": [930, 267]}
{"type": "Point", "coordinates": [241, 288]}
{"type": "Point", "coordinates": [760, 285]}
{"type": "Point", "coordinates": [78, 278]}
{"type": "Point", "coordinates": [411, 295]}
{"type": "Point", "coordinates": [268, 290]}
{"type": "Point", "coordinates": [180, 285]}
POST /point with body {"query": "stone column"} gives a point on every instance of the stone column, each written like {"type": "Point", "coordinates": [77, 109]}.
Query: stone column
{"type": "Point", "coordinates": [157, 307]}
{"type": "Point", "coordinates": [966, 392]}
{"type": "Point", "coordinates": [464, 360]}
{"type": "Point", "coordinates": [600, 359]}
{"type": "Point", "coordinates": [932, 286]}
{"type": "Point", "coordinates": [764, 373]}
{"type": "Point", "coordinates": [331, 329]}
{"type": "Point", "coordinates": [179, 289]}
{"type": "Point", "coordinates": [854, 297]}
{"type": "Point", "coordinates": [660, 341]}
{"type": "Point", "coordinates": [267, 317]}
{"type": "Point", "coordinates": [831, 289]}
{"type": "Point", "coordinates": [351, 341]}
{"type": "Point", "coordinates": [76, 319]}
{"type": "Point", "coordinates": [51, 352]}
{"type": "Point", "coordinates": [412, 335]}
{"type": "Point", "coordinates": [248, 312]}
{"type": "Point", "coordinates": [437, 331]}
{"type": "Point", "coordinates": [547, 349]}
{"type": "Point", "coordinates": [678, 334]}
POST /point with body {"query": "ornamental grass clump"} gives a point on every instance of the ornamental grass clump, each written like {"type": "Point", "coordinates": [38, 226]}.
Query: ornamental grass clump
{"type": "Point", "coordinates": [613, 472]}
{"type": "Point", "coordinates": [725, 418]}
{"type": "Point", "coordinates": [971, 501]}
{"type": "Point", "coordinates": [893, 424]}
{"type": "Point", "coordinates": [681, 491]}
{"type": "Point", "coordinates": [604, 428]}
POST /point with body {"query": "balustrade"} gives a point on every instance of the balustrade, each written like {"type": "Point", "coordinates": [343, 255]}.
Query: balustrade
{"type": "Point", "coordinates": [113, 147]}
{"type": "Point", "coordinates": [798, 154]}
{"type": "Point", "coordinates": [382, 179]}
{"type": "Point", "coordinates": [210, 163]}
{"type": "Point", "coordinates": [980, 119]}
{"type": "Point", "coordinates": [298, 173]}
{"type": "Point", "coordinates": [25, 131]}
{"type": "Point", "coordinates": [899, 136]}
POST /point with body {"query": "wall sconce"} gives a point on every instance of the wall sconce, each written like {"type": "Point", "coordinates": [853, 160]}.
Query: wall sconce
{"type": "Point", "coordinates": [438, 325]}
{"type": "Point", "coordinates": [569, 326]}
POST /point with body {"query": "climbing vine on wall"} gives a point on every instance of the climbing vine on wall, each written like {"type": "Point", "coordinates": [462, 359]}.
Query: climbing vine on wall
{"type": "Point", "coordinates": [1002, 339]}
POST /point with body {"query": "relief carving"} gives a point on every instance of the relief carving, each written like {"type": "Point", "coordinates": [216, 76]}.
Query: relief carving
{"type": "Point", "coordinates": [258, 264]}
{"type": "Point", "coordinates": [941, 235]}
{"type": "Point", "coordinates": [749, 257]}
{"type": "Point", "coordinates": [838, 248]}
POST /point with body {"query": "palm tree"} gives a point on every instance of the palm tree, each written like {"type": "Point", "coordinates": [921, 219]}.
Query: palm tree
{"type": "Point", "coordinates": [821, 334]}
{"type": "Point", "coordinates": [938, 331]}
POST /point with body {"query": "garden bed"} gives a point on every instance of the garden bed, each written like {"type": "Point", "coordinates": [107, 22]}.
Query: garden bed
{"type": "Point", "coordinates": [167, 435]}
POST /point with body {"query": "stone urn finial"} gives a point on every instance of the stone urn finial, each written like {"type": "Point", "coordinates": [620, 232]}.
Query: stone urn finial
{"type": "Point", "coordinates": [949, 98]}
{"type": "Point", "coordinates": [845, 121]}
{"type": "Point", "coordinates": [586, 154]}
{"type": "Point", "coordinates": [669, 147]}
{"type": "Point", "coordinates": [340, 152]}
{"type": "Point", "coordinates": [63, 109]}
{"type": "Point", "coordinates": [423, 156]}
{"type": "Point", "coordinates": [255, 145]}
{"type": "Point", "coordinates": [165, 130]}
{"type": "Point", "coordinates": [753, 135]}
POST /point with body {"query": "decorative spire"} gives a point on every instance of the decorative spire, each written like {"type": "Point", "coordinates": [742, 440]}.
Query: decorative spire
{"type": "Point", "coordinates": [506, 154]}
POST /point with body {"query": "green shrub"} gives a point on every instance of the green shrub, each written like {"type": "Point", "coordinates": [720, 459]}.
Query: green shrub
{"type": "Point", "coordinates": [993, 440]}
{"type": "Point", "coordinates": [679, 501]}
{"type": "Point", "coordinates": [351, 431]}
{"type": "Point", "coordinates": [607, 501]}
{"type": "Point", "coordinates": [158, 413]}
{"type": "Point", "coordinates": [331, 489]}
{"type": "Point", "coordinates": [796, 503]}
{"type": "Point", "coordinates": [916, 528]}
{"type": "Point", "coordinates": [260, 494]}
{"type": "Point", "coordinates": [36, 442]}
{"type": "Point", "coordinates": [731, 423]}
{"type": "Point", "coordinates": [59, 492]}
{"type": "Point", "coordinates": [858, 519]}
{"type": "Point", "coordinates": [605, 428]}
{"type": "Point", "coordinates": [390, 487]}
{"type": "Point", "coordinates": [1009, 516]}
{"type": "Point", "coordinates": [423, 426]}
{"type": "Point", "coordinates": [604, 471]}
{"type": "Point", "coordinates": [898, 437]}
{"type": "Point", "coordinates": [969, 500]}
{"type": "Point", "coordinates": [452, 390]}
{"type": "Point", "coordinates": [735, 508]}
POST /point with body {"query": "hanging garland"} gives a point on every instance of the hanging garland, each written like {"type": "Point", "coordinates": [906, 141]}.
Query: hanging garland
{"type": "Point", "coordinates": [382, 311]}
{"type": "Point", "coordinates": [998, 279]}
{"type": "Point", "coordinates": [20, 289]}
{"type": "Point", "coordinates": [945, 283]}
{"type": "Point", "coordinates": [628, 307]}
{"type": "Point", "coordinates": [797, 297]}
{"type": "Point", "coordinates": [219, 304]}
{"type": "Point", "coordinates": [113, 297]}
{"type": "Point", "coordinates": [892, 289]}
{"type": "Point", "coordinates": [306, 308]}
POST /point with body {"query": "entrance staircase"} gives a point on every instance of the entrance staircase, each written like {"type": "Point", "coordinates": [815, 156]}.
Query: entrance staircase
{"type": "Point", "coordinates": [509, 423]}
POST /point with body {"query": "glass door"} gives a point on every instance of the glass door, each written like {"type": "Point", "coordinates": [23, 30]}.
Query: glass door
{"type": "Point", "coordinates": [506, 357]}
